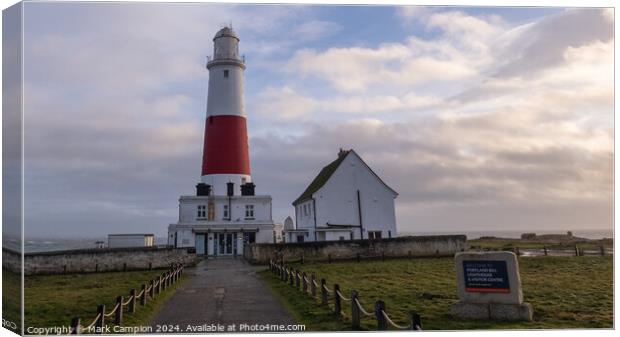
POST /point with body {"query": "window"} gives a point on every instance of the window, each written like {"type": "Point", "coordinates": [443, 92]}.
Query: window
{"type": "Point", "coordinates": [249, 211]}
{"type": "Point", "coordinates": [300, 238]}
{"type": "Point", "coordinates": [226, 73]}
{"type": "Point", "coordinates": [202, 211]}
{"type": "Point", "coordinates": [226, 215]}
{"type": "Point", "coordinates": [341, 238]}
{"type": "Point", "coordinates": [185, 241]}
{"type": "Point", "coordinates": [374, 235]}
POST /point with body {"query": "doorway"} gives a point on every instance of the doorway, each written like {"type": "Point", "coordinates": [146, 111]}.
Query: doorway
{"type": "Point", "coordinates": [226, 244]}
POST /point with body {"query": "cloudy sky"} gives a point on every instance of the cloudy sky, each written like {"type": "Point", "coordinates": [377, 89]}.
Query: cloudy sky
{"type": "Point", "coordinates": [481, 118]}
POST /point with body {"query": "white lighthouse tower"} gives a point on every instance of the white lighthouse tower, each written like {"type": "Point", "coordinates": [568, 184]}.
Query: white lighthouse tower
{"type": "Point", "coordinates": [225, 214]}
{"type": "Point", "coordinates": [225, 157]}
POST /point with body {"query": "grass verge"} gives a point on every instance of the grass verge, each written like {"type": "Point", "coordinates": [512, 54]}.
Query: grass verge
{"type": "Point", "coordinates": [53, 300]}
{"type": "Point", "coordinates": [566, 292]}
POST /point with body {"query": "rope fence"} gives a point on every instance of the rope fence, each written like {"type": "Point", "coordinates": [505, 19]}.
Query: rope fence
{"type": "Point", "coordinates": [156, 286]}
{"type": "Point", "coordinates": [293, 277]}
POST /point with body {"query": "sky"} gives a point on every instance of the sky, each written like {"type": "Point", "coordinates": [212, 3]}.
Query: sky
{"type": "Point", "coordinates": [482, 119]}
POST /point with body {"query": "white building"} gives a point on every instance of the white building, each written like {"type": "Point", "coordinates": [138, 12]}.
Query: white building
{"type": "Point", "coordinates": [345, 201]}
{"type": "Point", "coordinates": [130, 240]}
{"type": "Point", "coordinates": [225, 213]}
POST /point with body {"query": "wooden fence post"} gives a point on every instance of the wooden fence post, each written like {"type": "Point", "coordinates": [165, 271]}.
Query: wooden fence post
{"type": "Point", "coordinates": [602, 250]}
{"type": "Point", "coordinates": [576, 250]}
{"type": "Point", "coordinates": [323, 292]}
{"type": "Point", "coordinates": [118, 318]}
{"type": "Point", "coordinates": [355, 311]}
{"type": "Point", "coordinates": [100, 324]}
{"type": "Point", "coordinates": [297, 278]}
{"type": "Point", "coordinates": [337, 303]}
{"type": "Point", "coordinates": [304, 284]}
{"type": "Point", "coordinates": [357, 257]}
{"type": "Point", "coordinates": [382, 256]}
{"type": "Point", "coordinates": [159, 285]}
{"type": "Point", "coordinates": [409, 254]}
{"type": "Point", "coordinates": [546, 252]}
{"type": "Point", "coordinates": [132, 303]}
{"type": "Point", "coordinates": [143, 297]}
{"type": "Point", "coordinates": [517, 251]}
{"type": "Point", "coordinates": [75, 326]}
{"type": "Point", "coordinates": [329, 258]}
{"type": "Point", "coordinates": [313, 285]}
{"type": "Point", "coordinates": [291, 276]}
{"type": "Point", "coordinates": [152, 292]}
{"type": "Point", "coordinates": [416, 323]}
{"type": "Point", "coordinates": [302, 258]}
{"type": "Point", "coordinates": [379, 308]}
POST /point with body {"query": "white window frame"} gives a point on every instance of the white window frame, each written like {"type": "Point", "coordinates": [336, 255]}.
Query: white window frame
{"type": "Point", "coordinates": [225, 212]}
{"type": "Point", "coordinates": [249, 212]}
{"type": "Point", "coordinates": [202, 212]}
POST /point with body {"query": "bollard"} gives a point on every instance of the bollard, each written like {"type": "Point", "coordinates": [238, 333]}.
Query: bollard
{"type": "Point", "coordinates": [546, 252]}
{"type": "Point", "coordinates": [602, 250]}
{"type": "Point", "coordinates": [118, 318]}
{"type": "Point", "coordinates": [297, 278]}
{"type": "Point", "coordinates": [313, 285]}
{"type": "Point", "coordinates": [152, 292]}
{"type": "Point", "coordinates": [143, 297]}
{"type": "Point", "coordinates": [304, 284]}
{"type": "Point", "coordinates": [355, 311]}
{"type": "Point", "coordinates": [100, 324]}
{"type": "Point", "coordinates": [132, 303]}
{"type": "Point", "coordinates": [337, 303]}
{"type": "Point", "coordinates": [416, 323]}
{"type": "Point", "coordinates": [323, 292]}
{"type": "Point", "coordinates": [75, 326]}
{"type": "Point", "coordinates": [381, 322]}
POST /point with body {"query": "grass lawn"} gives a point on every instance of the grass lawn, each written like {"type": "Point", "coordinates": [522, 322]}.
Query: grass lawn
{"type": "Point", "coordinates": [11, 298]}
{"type": "Point", "coordinates": [53, 300]}
{"type": "Point", "coordinates": [499, 244]}
{"type": "Point", "coordinates": [566, 292]}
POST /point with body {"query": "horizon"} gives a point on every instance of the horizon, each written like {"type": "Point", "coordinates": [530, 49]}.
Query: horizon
{"type": "Point", "coordinates": [485, 117]}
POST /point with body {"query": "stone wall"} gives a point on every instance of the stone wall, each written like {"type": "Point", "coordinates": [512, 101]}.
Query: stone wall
{"type": "Point", "coordinates": [96, 260]}
{"type": "Point", "coordinates": [414, 246]}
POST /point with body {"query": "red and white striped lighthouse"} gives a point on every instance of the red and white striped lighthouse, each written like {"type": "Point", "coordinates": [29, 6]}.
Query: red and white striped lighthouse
{"type": "Point", "coordinates": [225, 156]}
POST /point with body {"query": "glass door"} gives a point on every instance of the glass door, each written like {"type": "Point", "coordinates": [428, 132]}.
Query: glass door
{"type": "Point", "coordinates": [226, 244]}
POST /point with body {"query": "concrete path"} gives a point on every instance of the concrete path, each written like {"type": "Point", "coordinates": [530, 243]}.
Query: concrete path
{"type": "Point", "coordinates": [222, 291]}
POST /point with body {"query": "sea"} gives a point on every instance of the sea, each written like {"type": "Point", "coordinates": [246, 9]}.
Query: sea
{"type": "Point", "coordinates": [56, 244]}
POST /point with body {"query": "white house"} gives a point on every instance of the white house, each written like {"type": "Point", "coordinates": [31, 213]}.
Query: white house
{"type": "Point", "coordinates": [345, 201]}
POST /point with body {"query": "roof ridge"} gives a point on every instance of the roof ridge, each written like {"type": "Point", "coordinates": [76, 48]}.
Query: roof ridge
{"type": "Point", "coordinates": [323, 176]}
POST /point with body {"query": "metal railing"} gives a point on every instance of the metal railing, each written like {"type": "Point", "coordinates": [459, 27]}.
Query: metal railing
{"type": "Point", "coordinates": [97, 326]}
{"type": "Point", "coordinates": [294, 277]}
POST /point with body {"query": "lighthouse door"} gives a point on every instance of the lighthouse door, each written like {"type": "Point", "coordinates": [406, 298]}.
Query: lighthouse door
{"type": "Point", "coordinates": [225, 244]}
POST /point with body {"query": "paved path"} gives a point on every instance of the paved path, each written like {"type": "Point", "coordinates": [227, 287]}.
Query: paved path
{"type": "Point", "coordinates": [222, 291]}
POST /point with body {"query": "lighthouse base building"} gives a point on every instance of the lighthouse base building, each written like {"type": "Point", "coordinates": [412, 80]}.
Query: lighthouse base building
{"type": "Point", "coordinates": [220, 225]}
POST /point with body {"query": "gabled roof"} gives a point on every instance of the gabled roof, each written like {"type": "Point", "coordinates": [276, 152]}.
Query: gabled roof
{"type": "Point", "coordinates": [327, 172]}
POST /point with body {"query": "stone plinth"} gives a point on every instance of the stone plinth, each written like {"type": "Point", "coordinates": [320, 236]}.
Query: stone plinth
{"type": "Point", "coordinates": [489, 287]}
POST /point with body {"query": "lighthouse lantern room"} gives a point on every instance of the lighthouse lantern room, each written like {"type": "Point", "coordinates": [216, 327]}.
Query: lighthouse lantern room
{"type": "Point", "coordinates": [225, 214]}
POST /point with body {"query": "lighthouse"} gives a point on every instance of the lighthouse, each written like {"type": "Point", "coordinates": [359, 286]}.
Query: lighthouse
{"type": "Point", "coordinates": [225, 158]}
{"type": "Point", "coordinates": [225, 214]}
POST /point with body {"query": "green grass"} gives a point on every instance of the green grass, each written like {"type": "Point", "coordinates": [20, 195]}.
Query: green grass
{"type": "Point", "coordinates": [11, 298]}
{"type": "Point", "coordinates": [566, 292]}
{"type": "Point", "coordinates": [53, 300]}
{"type": "Point", "coordinates": [499, 244]}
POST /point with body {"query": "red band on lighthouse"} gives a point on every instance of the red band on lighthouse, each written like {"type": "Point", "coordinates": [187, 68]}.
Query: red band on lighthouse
{"type": "Point", "coordinates": [226, 146]}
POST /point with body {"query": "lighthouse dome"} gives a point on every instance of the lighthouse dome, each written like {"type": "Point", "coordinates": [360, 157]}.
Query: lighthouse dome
{"type": "Point", "coordinates": [226, 32]}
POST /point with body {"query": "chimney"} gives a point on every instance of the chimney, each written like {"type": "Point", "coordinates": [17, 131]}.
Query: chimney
{"type": "Point", "coordinates": [342, 152]}
{"type": "Point", "coordinates": [203, 189]}
{"type": "Point", "coordinates": [247, 189]}
{"type": "Point", "coordinates": [231, 188]}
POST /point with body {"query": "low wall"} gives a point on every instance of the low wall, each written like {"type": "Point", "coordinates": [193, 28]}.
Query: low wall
{"type": "Point", "coordinates": [95, 260]}
{"type": "Point", "coordinates": [414, 246]}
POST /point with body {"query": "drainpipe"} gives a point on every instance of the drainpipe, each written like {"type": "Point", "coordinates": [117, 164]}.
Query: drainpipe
{"type": "Point", "coordinates": [359, 212]}
{"type": "Point", "coordinates": [314, 213]}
